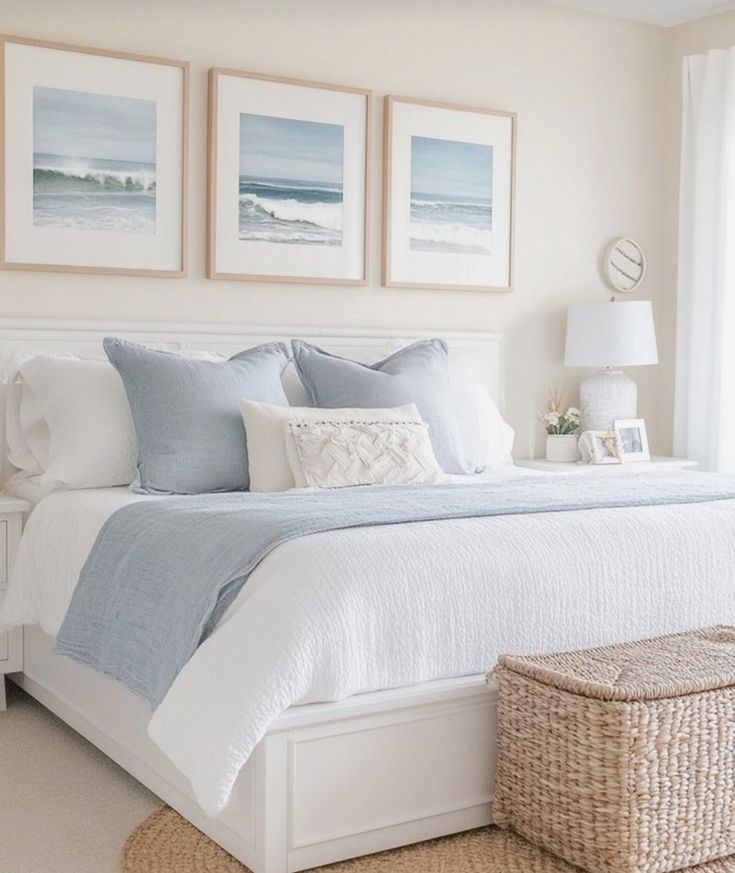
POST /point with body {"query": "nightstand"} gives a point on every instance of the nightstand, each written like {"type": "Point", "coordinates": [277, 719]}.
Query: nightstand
{"type": "Point", "coordinates": [11, 526]}
{"type": "Point", "coordinates": [657, 462]}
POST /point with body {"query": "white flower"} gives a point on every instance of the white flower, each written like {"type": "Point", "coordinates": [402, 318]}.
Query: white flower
{"type": "Point", "coordinates": [573, 414]}
{"type": "Point", "coordinates": [552, 418]}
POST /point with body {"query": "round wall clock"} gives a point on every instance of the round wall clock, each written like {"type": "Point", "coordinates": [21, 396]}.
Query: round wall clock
{"type": "Point", "coordinates": [624, 265]}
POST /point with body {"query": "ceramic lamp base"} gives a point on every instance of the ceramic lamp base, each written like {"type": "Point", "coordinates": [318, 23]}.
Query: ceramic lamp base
{"type": "Point", "coordinates": [605, 396]}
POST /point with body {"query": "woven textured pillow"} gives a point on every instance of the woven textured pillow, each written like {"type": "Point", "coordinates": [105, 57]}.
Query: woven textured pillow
{"type": "Point", "coordinates": [336, 454]}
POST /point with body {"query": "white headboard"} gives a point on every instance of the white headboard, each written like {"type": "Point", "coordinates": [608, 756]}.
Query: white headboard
{"type": "Point", "coordinates": [367, 344]}
{"type": "Point", "coordinates": [363, 344]}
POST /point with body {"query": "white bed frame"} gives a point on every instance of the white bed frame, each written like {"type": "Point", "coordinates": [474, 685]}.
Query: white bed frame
{"type": "Point", "coordinates": [329, 781]}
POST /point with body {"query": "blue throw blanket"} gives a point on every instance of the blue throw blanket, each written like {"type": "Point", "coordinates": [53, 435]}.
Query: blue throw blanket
{"type": "Point", "coordinates": [162, 572]}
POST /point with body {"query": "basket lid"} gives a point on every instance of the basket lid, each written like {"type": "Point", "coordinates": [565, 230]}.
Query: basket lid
{"type": "Point", "coordinates": [652, 669]}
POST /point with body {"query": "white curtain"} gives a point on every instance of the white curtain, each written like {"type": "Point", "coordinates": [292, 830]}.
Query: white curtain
{"type": "Point", "coordinates": [705, 357]}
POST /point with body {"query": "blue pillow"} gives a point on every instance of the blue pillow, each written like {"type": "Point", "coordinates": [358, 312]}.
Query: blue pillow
{"type": "Point", "coordinates": [186, 412]}
{"type": "Point", "coordinates": [416, 374]}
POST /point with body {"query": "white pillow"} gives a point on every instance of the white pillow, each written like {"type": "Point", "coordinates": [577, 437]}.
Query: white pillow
{"type": "Point", "coordinates": [20, 429]}
{"type": "Point", "coordinates": [91, 439]}
{"type": "Point", "coordinates": [336, 454]}
{"type": "Point", "coordinates": [487, 440]}
{"type": "Point", "coordinates": [26, 433]}
{"type": "Point", "coordinates": [293, 387]}
{"type": "Point", "coordinates": [269, 442]}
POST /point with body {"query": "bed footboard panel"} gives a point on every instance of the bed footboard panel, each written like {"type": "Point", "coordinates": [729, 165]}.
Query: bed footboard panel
{"type": "Point", "coordinates": [379, 781]}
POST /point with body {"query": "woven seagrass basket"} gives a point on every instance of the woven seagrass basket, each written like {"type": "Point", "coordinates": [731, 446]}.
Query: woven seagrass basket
{"type": "Point", "coordinates": [622, 759]}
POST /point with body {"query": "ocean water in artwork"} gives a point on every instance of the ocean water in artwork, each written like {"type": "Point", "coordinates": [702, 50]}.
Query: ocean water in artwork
{"type": "Point", "coordinates": [291, 181]}
{"type": "Point", "coordinates": [451, 196]}
{"type": "Point", "coordinates": [94, 161]}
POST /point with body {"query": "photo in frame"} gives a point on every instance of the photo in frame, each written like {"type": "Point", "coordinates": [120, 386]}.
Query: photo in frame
{"type": "Point", "coordinates": [448, 196]}
{"type": "Point", "coordinates": [600, 447]}
{"type": "Point", "coordinates": [288, 180]}
{"type": "Point", "coordinates": [633, 439]}
{"type": "Point", "coordinates": [94, 160]}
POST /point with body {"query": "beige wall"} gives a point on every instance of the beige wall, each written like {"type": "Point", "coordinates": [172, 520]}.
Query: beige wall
{"type": "Point", "coordinates": [589, 93]}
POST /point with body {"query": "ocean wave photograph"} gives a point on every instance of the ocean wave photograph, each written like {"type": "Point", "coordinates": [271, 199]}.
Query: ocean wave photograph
{"type": "Point", "coordinates": [290, 186]}
{"type": "Point", "coordinates": [94, 161]}
{"type": "Point", "coordinates": [451, 196]}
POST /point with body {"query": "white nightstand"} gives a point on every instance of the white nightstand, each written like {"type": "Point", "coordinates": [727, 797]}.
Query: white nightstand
{"type": "Point", "coordinates": [657, 462]}
{"type": "Point", "coordinates": [11, 526]}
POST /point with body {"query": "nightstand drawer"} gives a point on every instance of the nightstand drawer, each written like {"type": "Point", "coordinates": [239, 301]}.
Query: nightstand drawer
{"type": "Point", "coordinates": [4, 647]}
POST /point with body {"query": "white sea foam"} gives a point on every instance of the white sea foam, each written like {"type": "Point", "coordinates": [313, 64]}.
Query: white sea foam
{"type": "Point", "coordinates": [327, 215]}
{"type": "Point", "coordinates": [451, 235]}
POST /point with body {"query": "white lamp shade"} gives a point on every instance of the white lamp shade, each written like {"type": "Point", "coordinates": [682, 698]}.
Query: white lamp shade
{"type": "Point", "coordinates": [611, 335]}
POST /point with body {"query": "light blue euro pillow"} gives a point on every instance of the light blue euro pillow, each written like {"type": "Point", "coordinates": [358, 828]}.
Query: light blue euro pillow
{"type": "Point", "coordinates": [418, 374]}
{"type": "Point", "coordinates": [186, 412]}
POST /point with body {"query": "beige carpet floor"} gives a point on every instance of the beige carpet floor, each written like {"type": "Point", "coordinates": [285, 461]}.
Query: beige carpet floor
{"type": "Point", "coordinates": [64, 806]}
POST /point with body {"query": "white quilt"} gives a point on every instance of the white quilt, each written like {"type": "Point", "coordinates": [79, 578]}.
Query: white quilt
{"type": "Point", "coordinates": [335, 614]}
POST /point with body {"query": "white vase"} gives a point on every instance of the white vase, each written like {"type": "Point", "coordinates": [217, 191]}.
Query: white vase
{"type": "Point", "coordinates": [562, 448]}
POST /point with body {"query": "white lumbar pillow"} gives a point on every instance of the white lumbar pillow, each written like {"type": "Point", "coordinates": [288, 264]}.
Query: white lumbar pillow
{"type": "Point", "coordinates": [331, 453]}
{"type": "Point", "coordinates": [270, 443]}
{"type": "Point", "coordinates": [91, 439]}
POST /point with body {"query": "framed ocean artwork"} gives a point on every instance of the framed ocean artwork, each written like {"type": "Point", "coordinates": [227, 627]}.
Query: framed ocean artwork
{"type": "Point", "coordinates": [288, 180]}
{"type": "Point", "coordinates": [448, 196]}
{"type": "Point", "coordinates": [94, 160]}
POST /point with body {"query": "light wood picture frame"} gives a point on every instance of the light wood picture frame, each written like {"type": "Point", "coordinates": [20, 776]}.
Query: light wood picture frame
{"type": "Point", "coordinates": [448, 196]}
{"type": "Point", "coordinates": [288, 179]}
{"type": "Point", "coordinates": [93, 160]}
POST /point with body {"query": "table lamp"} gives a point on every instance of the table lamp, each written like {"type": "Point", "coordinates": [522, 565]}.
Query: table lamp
{"type": "Point", "coordinates": [609, 336]}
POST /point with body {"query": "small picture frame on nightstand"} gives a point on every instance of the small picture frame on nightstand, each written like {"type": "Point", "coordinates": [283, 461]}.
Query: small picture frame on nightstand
{"type": "Point", "coordinates": [600, 447]}
{"type": "Point", "coordinates": [633, 439]}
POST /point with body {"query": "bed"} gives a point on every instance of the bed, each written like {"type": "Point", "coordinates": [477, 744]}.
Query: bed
{"type": "Point", "coordinates": [403, 749]}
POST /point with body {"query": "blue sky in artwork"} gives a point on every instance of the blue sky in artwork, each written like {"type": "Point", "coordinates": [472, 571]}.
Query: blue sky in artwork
{"type": "Point", "coordinates": [78, 124]}
{"type": "Point", "coordinates": [288, 148]}
{"type": "Point", "coordinates": [451, 168]}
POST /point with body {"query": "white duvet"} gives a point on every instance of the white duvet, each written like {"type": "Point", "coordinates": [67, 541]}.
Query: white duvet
{"type": "Point", "coordinates": [339, 613]}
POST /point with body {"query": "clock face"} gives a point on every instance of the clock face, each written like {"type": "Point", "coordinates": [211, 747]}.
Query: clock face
{"type": "Point", "coordinates": [624, 265]}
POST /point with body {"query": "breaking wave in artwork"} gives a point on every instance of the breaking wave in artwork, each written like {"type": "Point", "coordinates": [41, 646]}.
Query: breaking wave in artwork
{"type": "Point", "coordinates": [94, 194]}
{"type": "Point", "coordinates": [290, 211]}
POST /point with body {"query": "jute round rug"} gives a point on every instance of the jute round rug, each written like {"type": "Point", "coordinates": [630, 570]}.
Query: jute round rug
{"type": "Point", "coordinates": [167, 843]}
